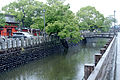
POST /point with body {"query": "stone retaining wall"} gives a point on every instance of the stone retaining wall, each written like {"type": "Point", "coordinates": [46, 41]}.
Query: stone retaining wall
{"type": "Point", "coordinates": [13, 57]}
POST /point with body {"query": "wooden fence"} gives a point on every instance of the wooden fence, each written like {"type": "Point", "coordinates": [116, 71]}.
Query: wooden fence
{"type": "Point", "coordinates": [104, 66]}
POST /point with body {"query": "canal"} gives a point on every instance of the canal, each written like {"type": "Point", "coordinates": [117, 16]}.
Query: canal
{"type": "Point", "coordinates": [60, 66]}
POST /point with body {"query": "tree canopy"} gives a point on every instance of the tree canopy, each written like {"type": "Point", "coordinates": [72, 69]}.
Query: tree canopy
{"type": "Point", "coordinates": [89, 18]}
{"type": "Point", "coordinates": [108, 23]}
{"type": "Point", "coordinates": [24, 10]}
{"type": "Point", "coordinates": [59, 19]}
{"type": "Point", "coordinates": [2, 20]}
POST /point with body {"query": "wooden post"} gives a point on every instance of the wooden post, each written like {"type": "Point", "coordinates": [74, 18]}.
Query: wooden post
{"type": "Point", "coordinates": [105, 46]}
{"type": "Point", "coordinates": [97, 58]}
{"type": "Point", "coordinates": [108, 42]}
{"type": "Point", "coordinates": [102, 51]}
{"type": "Point", "coordinates": [88, 68]}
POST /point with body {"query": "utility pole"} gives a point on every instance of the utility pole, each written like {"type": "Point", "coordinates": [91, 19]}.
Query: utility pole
{"type": "Point", "coordinates": [114, 22]}
{"type": "Point", "coordinates": [44, 24]}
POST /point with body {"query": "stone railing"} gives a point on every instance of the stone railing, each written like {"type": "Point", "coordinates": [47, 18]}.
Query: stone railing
{"type": "Point", "coordinates": [22, 42]}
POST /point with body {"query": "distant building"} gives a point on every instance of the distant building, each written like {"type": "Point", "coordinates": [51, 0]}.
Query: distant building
{"type": "Point", "coordinates": [11, 26]}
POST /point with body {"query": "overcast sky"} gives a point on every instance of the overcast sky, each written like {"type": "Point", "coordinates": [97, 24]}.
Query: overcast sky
{"type": "Point", "coordinates": [106, 7]}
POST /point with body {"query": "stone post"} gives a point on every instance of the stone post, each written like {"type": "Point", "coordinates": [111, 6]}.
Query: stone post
{"type": "Point", "coordinates": [8, 43]}
{"type": "Point", "coordinates": [2, 44]}
{"type": "Point", "coordinates": [22, 42]}
{"type": "Point", "coordinates": [26, 42]}
{"type": "Point", "coordinates": [17, 42]}
{"type": "Point", "coordinates": [33, 41]}
{"type": "Point", "coordinates": [29, 41]}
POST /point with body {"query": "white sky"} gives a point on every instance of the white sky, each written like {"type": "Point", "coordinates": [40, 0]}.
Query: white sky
{"type": "Point", "coordinates": [106, 7]}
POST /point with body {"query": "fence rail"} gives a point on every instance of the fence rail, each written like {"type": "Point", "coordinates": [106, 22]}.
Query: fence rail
{"type": "Point", "coordinates": [104, 63]}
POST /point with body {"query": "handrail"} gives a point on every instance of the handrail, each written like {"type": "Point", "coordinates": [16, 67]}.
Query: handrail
{"type": "Point", "coordinates": [101, 70]}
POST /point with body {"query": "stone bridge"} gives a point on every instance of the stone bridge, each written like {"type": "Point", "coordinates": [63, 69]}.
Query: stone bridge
{"type": "Point", "coordinates": [98, 35]}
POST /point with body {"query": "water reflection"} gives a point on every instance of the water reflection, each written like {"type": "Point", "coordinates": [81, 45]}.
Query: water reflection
{"type": "Point", "coordinates": [61, 66]}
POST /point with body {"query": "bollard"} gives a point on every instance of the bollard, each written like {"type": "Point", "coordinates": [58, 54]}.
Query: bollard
{"type": "Point", "coordinates": [102, 51]}
{"type": "Point", "coordinates": [88, 68]}
{"type": "Point", "coordinates": [97, 58]}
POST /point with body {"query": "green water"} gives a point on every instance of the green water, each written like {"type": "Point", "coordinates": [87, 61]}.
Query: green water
{"type": "Point", "coordinates": [64, 66]}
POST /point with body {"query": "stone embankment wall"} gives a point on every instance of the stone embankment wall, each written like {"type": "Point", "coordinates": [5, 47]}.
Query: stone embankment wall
{"type": "Point", "coordinates": [14, 56]}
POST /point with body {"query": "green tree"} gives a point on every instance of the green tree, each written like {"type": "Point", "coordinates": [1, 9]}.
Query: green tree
{"type": "Point", "coordinates": [59, 20]}
{"type": "Point", "coordinates": [24, 10]}
{"type": "Point", "coordinates": [89, 18]}
{"type": "Point", "coordinates": [51, 2]}
{"type": "Point", "coordinates": [108, 23]}
{"type": "Point", "coordinates": [2, 20]}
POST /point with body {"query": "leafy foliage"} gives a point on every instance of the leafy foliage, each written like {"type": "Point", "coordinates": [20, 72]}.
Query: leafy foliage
{"type": "Point", "coordinates": [90, 18]}
{"type": "Point", "coordinates": [2, 20]}
{"type": "Point", "coordinates": [59, 19]}
{"type": "Point", "coordinates": [108, 23]}
{"type": "Point", "coordinates": [24, 10]}
{"type": "Point", "coordinates": [63, 22]}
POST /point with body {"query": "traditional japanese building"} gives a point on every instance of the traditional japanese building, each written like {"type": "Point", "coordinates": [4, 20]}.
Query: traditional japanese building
{"type": "Point", "coordinates": [10, 27]}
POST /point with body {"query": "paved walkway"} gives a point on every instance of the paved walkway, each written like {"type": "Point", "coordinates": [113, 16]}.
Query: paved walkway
{"type": "Point", "coordinates": [118, 58]}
